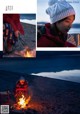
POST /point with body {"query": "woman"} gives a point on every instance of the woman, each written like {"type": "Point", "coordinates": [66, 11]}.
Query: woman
{"type": "Point", "coordinates": [62, 16]}
{"type": "Point", "coordinates": [12, 28]}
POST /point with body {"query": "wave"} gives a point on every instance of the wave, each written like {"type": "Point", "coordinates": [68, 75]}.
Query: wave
{"type": "Point", "coordinates": [33, 22]}
{"type": "Point", "coordinates": [74, 31]}
{"type": "Point", "coordinates": [69, 75]}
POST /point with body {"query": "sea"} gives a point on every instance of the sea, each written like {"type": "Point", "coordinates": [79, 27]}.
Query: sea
{"type": "Point", "coordinates": [74, 31]}
{"type": "Point", "coordinates": [58, 65]}
{"type": "Point", "coordinates": [28, 18]}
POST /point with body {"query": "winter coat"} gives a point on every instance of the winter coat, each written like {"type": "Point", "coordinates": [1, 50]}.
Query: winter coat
{"type": "Point", "coordinates": [47, 38]}
{"type": "Point", "coordinates": [14, 20]}
{"type": "Point", "coordinates": [21, 87]}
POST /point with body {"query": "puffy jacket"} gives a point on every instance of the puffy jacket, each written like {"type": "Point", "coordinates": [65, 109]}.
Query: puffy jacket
{"type": "Point", "coordinates": [14, 20]}
{"type": "Point", "coordinates": [20, 88]}
{"type": "Point", "coordinates": [50, 39]}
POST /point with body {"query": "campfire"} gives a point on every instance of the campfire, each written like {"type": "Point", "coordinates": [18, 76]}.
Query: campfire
{"type": "Point", "coordinates": [22, 103]}
{"type": "Point", "coordinates": [26, 52]}
{"type": "Point", "coordinates": [29, 53]}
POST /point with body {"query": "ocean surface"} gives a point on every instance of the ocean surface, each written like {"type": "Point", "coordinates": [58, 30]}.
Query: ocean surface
{"type": "Point", "coordinates": [28, 16]}
{"type": "Point", "coordinates": [74, 31]}
{"type": "Point", "coordinates": [51, 65]}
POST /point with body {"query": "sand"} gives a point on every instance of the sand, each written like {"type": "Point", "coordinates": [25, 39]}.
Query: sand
{"type": "Point", "coordinates": [26, 40]}
{"type": "Point", "coordinates": [49, 96]}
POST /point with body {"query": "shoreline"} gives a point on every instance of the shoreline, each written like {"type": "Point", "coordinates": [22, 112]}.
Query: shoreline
{"type": "Point", "coordinates": [49, 96]}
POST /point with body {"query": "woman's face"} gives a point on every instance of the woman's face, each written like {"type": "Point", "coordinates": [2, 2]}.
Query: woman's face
{"type": "Point", "coordinates": [66, 24]}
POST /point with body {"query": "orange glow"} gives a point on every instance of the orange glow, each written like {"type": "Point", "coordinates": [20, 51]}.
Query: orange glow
{"type": "Point", "coordinates": [22, 103]}
{"type": "Point", "coordinates": [29, 53]}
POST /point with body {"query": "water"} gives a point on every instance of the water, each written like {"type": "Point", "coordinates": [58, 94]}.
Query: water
{"type": "Point", "coordinates": [28, 16]}
{"type": "Point", "coordinates": [69, 75]}
{"type": "Point", "coordinates": [43, 64]}
{"type": "Point", "coordinates": [59, 65]}
{"type": "Point", "coordinates": [74, 31]}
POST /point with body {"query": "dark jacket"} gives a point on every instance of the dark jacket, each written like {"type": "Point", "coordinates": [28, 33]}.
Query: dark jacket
{"type": "Point", "coordinates": [14, 20]}
{"type": "Point", "coordinates": [50, 39]}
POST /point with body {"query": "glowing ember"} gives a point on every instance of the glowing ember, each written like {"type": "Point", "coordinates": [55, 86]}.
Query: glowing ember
{"type": "Point", "coordinates": [29, 53]}
{"type": "Point", "coordinates": [22, 103]}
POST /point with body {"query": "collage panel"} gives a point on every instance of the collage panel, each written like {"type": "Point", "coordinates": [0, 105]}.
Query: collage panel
{"type": "Point", "coordinates": [49, 84]}
{"type": "Point", "coordinates": [39, 62]}
{"type": "Point", "coordinates": [19, 35]}
{"type": "Point", "coordinates": [58, 24]}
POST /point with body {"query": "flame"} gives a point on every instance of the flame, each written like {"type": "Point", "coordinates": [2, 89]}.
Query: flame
{"type": "Point", "coordinates": [29, 53]}
{"type": "Point", "coordinates": [22, 103]}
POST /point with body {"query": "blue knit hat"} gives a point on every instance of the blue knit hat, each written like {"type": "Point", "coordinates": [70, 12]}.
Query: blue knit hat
{"type": "Point", "coordinates": [59, 9]}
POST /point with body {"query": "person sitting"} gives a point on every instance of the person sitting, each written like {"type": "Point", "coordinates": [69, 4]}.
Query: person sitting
{"type": "Point", "coordinates": [21, 87]}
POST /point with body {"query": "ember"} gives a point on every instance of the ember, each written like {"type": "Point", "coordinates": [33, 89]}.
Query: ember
{"type": "Point", "coordinates": [26, 52]}
{"type": "Point", "coordinates": [22, 103]}
{"type": "Point", "coordinates": [29, 53]}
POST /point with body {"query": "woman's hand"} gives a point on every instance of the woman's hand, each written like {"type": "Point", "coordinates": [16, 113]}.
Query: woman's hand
{"type": "Point", "coordinates": [17, 33]}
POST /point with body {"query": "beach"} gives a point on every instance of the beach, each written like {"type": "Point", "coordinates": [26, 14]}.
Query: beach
{"type": "Point", "coordinates": [26, 40]}
{"type": "Point", "coordinates": [49, 96]}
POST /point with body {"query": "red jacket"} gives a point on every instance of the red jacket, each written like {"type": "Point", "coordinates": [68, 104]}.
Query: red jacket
{"type": "Point", "coordinates": [55, 39]}
{"type": "Point", "coordinates": [21, 87]}
{"type": "Point", "coordinates": [14, 20]}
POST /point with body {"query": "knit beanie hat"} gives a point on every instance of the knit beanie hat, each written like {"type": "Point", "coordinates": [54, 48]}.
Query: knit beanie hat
{"type": "Point", "coordinates": [22, 78]}
{"type": "Point", "coordinates": [59, 9]}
